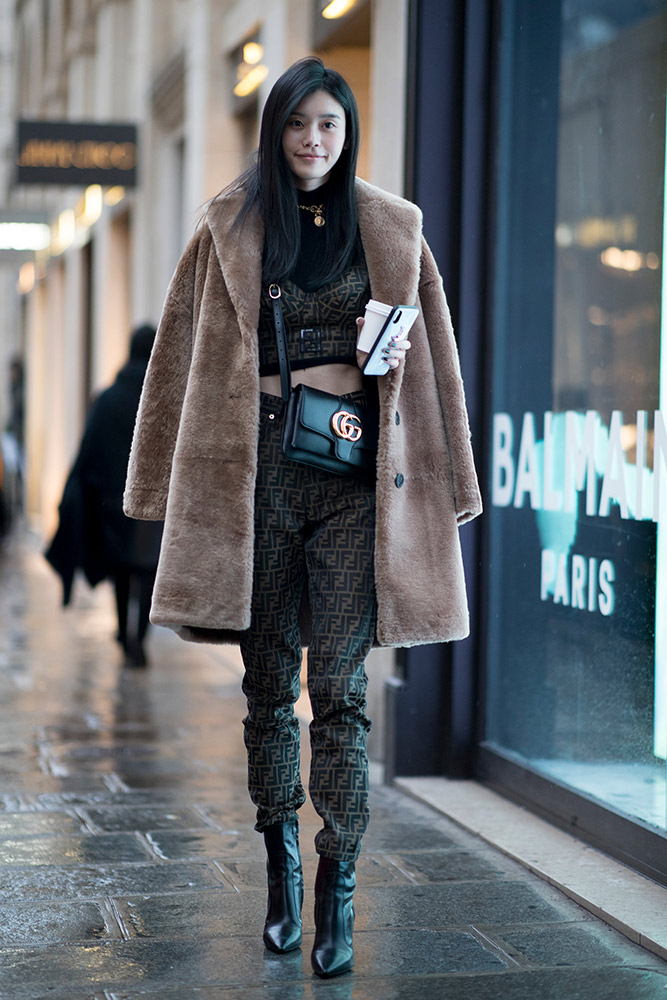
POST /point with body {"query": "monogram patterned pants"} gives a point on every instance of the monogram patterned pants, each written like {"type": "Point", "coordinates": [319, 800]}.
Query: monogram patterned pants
{"type": "Point", "coordinates": [312, 529]}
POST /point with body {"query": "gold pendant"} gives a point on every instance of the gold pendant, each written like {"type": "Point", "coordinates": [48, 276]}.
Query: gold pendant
{"type": "Point", "coordinates": [317, 211]}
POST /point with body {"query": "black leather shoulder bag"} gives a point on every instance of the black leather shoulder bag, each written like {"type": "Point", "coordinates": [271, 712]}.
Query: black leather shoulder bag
{"type": "Point", "coordinates": [329, 432]}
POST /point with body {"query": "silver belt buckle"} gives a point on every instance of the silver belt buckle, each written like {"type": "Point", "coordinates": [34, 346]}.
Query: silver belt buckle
{"type": "Point", "coordinates": [310, 340]}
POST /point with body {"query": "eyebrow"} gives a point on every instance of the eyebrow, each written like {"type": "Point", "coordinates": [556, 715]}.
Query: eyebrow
{"type": "Point", "coordinates": [302, 114]}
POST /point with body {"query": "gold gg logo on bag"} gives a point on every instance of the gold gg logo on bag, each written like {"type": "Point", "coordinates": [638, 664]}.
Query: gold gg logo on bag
{"type": "Point", "coordinates": [346, 425]}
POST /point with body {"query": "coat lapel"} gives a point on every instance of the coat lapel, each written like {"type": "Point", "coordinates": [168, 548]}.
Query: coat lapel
{"type": "Point", "coordinates": [240, 254]}
{"type": "Point", "coordinates": [391, 230]}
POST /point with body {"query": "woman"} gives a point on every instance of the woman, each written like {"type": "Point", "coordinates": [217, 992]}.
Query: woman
{"type": "Point", "coordinates": [271, 554]}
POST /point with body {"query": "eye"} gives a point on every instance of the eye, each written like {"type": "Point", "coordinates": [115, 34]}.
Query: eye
{"type": "Point", "coordinates": [294, 122]}
{"type": "Point", "coordinates": [329, 125]}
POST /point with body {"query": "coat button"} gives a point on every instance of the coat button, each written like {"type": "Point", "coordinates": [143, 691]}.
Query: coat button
{"type": "Point", "coordinates": [398, 417]}
{"type": "Point", "coordinates": [272, 416]}
{"type": "Point", "coordinates": [400, 479]}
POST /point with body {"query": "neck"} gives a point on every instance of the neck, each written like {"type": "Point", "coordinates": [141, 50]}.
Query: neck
{"type": "Point", "coordinates": [318, 194]}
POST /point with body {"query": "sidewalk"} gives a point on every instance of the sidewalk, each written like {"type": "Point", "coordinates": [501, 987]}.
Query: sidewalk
{"type": "Point", "coordinates": [129, 867]}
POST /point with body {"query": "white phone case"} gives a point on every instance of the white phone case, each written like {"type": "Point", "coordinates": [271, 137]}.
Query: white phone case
{"type": "Point", "coordinates": [397, 324]}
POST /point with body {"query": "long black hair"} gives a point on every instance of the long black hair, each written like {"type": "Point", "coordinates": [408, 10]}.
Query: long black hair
{"type": "Point", "coordinates": [269, 183]}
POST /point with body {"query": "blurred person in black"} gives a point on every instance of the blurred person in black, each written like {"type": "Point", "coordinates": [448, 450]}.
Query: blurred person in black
{"type": "Point", "coordinates": [93, 532]}
{"type": "Point", "coordinates": [11, 451]}
{"type": "Point", "coordinates": [16, 397]}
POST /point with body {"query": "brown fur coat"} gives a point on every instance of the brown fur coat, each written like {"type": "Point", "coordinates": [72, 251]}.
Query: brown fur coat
{"type": "Point", "coordinates": [194, 455]}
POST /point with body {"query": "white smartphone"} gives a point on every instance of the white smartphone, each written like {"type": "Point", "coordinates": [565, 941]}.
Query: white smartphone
{"type": "Point", "coordinates": [396, 325]}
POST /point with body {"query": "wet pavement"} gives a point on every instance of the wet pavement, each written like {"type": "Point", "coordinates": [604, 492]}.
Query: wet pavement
{"type": "Point", "coordinates": [129, 867]}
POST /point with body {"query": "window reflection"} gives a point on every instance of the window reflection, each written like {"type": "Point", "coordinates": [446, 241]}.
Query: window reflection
{"type": "Point", "coordinates": [577, 649]}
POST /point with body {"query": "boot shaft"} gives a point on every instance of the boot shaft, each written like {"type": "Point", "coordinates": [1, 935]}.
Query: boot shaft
{"type": "Point", "coordinates": [334, 917]}
{"type": "Point", "coordinates": [282, 929]}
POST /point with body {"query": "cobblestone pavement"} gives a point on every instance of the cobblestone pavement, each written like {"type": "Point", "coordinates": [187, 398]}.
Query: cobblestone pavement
{"type": "Point", "coordinates": [129, 867]}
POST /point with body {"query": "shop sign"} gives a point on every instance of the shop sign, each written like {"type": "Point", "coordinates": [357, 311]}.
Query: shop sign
{"type": "Point", "coordinates": [575, 455]}
{"type": "Point", "coordinates": [76, 153]}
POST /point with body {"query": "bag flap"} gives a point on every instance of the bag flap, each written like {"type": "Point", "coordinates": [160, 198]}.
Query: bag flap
{"type": "Point", "coordinates": [316, 410]}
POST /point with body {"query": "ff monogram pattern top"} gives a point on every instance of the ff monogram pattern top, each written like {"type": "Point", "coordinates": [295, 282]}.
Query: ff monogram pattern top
{"type": "Point", "coordinates": [320, 325]}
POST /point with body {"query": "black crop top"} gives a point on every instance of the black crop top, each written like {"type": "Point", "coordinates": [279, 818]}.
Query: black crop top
{"type": "Point", "coordinates": [319, 323]}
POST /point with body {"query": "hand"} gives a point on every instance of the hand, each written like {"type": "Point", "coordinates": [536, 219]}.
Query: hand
{"type": "Point", "coordinates": [395, 351]}
{"type": "Point", "coordinates": [393, 354]}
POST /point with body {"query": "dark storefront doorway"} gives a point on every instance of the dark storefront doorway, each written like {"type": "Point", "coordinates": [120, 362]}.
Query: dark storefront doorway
{"type": "Point", "coordinates": [547, 215]}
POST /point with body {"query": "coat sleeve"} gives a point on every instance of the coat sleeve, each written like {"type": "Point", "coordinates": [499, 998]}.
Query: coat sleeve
{"type": "Point", "coordinates": [467, 497]}
{"type": "Point", "coordinates": [159, 412]}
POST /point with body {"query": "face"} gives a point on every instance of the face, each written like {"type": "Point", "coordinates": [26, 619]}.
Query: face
{"type": "Point", "coordinates": [313, 139]}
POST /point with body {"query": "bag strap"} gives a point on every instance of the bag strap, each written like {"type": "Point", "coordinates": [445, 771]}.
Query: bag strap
{"type": "Point", "coordinates": [275, 293]}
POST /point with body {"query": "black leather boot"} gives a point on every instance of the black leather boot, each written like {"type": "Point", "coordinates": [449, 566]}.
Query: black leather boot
{"type": "Point", "coordinates": [334, 918]}
{"type": "Point", "coordinates": [282, 930]}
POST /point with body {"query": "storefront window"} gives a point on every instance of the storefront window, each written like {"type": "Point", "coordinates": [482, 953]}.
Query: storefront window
{"type": "Point", "coordinates": [577, 637]}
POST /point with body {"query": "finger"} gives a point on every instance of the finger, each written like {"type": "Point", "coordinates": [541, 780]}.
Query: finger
{"type": "Point", "coordinates": [396, 352]}
{"type": "Point", "coordinates": [391, 358]}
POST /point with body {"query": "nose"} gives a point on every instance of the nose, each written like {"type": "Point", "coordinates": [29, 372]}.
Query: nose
{"type": "Point", "coordinates": [311, 136]}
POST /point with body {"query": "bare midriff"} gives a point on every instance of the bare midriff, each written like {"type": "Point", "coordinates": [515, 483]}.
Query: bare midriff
{"type": "Point", "coordinates": [337, 379]}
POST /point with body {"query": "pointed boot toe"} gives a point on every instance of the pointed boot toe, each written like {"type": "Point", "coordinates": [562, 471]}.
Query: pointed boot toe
{"type": "Point", "coordinates": [329, 962]}
{"type": "Point", "coordinates": [281, 938]}
{"type": "Point", "coordinates": [282, 928]}
{"type": "Point", "coordinates": [282, 935]}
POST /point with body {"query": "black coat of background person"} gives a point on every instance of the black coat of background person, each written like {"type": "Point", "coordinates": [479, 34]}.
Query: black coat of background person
{"type": "Point", "coordinates": [93, 533]}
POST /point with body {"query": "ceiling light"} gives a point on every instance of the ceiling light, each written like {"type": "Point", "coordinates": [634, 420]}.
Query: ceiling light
{"type": "Point", "coordinates": [26, 281]}
{"type": "Point", "coordinates": [252, 53]}
{"type": "Point", "coordinates": [338, 8]}
{"type": "Point", "coordinates": [251, 80]}
{"type": "Point", "coordinates": [91, 207]}
{"type": "Point", "coordinates": [24, 235]}
{"type": "Point", "coordinates": [114, 195]}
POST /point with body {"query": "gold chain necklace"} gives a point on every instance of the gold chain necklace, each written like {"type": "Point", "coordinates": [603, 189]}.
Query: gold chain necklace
{"type": "Point", "coordinates": [317, 210]}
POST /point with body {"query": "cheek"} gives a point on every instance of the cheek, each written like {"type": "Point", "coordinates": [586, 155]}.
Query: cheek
{"type": "Point", "coordinates": [338, 145]}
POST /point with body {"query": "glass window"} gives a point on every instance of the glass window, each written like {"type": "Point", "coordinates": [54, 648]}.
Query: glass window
{"type": "Point", "coordinates": [577, 638]}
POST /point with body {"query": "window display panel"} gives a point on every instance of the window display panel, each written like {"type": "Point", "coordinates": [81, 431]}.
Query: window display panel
{"type": "Point", "coordinates": [577, 638]}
